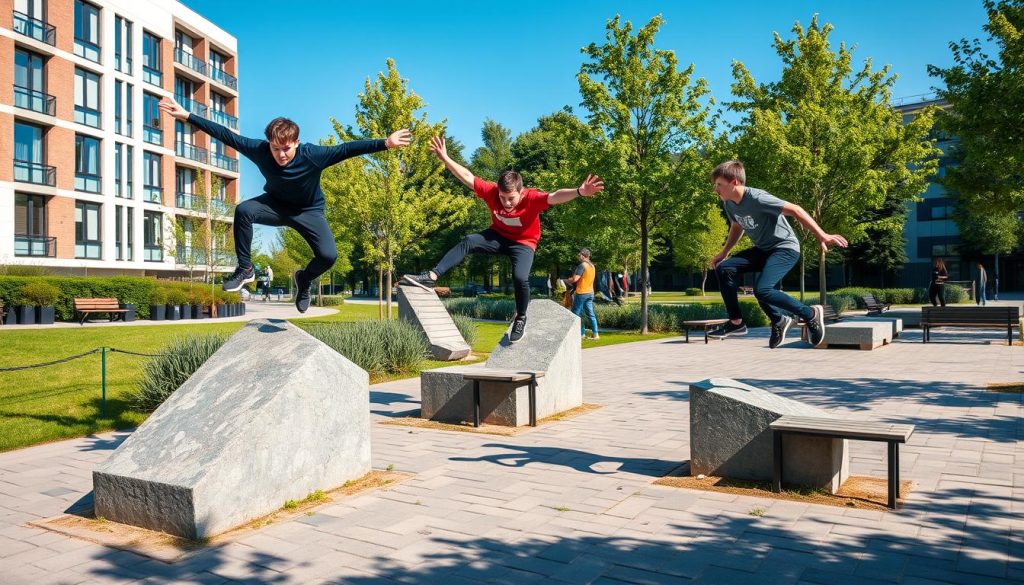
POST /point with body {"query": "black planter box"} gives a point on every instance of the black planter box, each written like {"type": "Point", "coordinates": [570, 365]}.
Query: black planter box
{"type": "Point", "coordinates": [173, 312]}
{"type": "Point", "coordinates": [156, 312]}
{"type": "Point", "coordinates": [129, 314]}
{"type": "Point", "coordinates": [44, 315]}
{"type": "Point", "coordinates": [26, 315]}
{"type": "Point", "coordinates": [186, 311]}
{"type": "Point", "coordinates": [10, 316]}
{"type": "Point", "coordinates": [197, 312]}
{"type": "Point", "coordinates": [243, 308]}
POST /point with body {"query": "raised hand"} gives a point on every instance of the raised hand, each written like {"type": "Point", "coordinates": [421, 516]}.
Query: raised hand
{"type": "Point", "coordinates": [833, 240]}
{"type": "Point", "coordinates": [399, 138]}
{"type": "Point", "coordinates": [591, 186]}
{"type": "Point", "coordinates": [438, 147]}
{"type": "Point", "coordinates": [169, 106]}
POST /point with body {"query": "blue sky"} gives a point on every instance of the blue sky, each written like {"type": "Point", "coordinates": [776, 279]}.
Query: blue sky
{"type": "Point", "coordinates": [516, 61]}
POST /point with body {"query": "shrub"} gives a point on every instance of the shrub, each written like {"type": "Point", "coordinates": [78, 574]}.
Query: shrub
{"type": "Point", "coordinates": [466, 326]}
{"type": "Point", "coordinates": [126, 289]}
{"type": "Point", "coordinates": [693, 292]}
{"type": "Point", "coordinates": [39, 294]}
{"type": "Point", "coordinates": [176, 296]}
{"type": "Point", "coordinates": [954, 293]}
{"type": "Point", "coordinates": [333, 300]}
{"type": "Point", "coordinates": [158, 296]}
{"type": "Point", "coordinates": [843, 301]}
{"type": "Point", "coordinates": [482, 308]}
{"type": "Point", "coordinates": [379, 347]}
{"type": "Point", "coordinates": [166, 373]}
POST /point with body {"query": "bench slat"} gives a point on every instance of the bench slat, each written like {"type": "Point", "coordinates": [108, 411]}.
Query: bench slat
{"type": "Point", "coordinates": [844, 428]}
{"type": "Point", "coordinates": [495, 375]}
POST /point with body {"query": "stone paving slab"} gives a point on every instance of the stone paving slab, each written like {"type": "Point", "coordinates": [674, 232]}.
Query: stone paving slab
{"type": "Point", "coordinates": [574, 502]}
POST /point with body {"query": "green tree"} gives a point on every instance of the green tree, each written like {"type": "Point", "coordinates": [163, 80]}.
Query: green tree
{"type": "Point", "coordinates": [650, 124]}
{"type": "Point", "coordinates": [883, 246]}
{"type": "Point", "coordinates": [825, 136]}
{"type": "Point", "coordinates": [694, 245]}
{"type": "Point", "coordinates": [391, 200]}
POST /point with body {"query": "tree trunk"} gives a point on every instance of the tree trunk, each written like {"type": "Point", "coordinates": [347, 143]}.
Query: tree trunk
{"type": "Point", "coordinates": [644, 275]}
{"type": "Point", "coordinates": [821, 278]}
{"type": "Point", "coordinates": [703, 281]}
{"type": "Point", "coordinates": [389, 294]}
{"type": "Point", "coordinates": [380, 292]}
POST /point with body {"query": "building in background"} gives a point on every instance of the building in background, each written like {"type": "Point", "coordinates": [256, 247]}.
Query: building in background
{"type": "Point", "coordinates": [93, 179]}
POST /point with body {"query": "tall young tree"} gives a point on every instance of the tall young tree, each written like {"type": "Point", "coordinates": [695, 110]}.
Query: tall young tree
{"type": "Point", "coordinates": [650, 122]}
{"type": "Point", "coordinates": [825, 136]}
{"type": "Point", "coordinates": [695, 243]}
{"type": "Point", "coordinates": [391, 200]}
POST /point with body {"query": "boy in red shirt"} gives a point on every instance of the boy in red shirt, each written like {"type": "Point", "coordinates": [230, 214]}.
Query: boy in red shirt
{"type": "Point", "coordinates": [514, 231]}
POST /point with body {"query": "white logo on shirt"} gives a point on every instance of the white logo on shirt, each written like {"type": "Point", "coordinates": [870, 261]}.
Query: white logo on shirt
{"type": "Point", "coordinates": [509, 221]}
{"type": "Point", "coordinates": [746, 222]}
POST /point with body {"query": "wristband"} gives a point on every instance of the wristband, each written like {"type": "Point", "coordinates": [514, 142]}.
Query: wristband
{"type": "Point", "coordinates": [578, 194]}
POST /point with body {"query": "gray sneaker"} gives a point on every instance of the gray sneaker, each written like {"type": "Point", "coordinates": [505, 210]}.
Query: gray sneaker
{"type": "Point", "coordinates": [779, 331]}
{"type": "Point", "coordinates": [302, 296]}
{"type": "Point", "coordinates": [239, 278]}
{"type": "Point", "coordinates": [816, 326]}
{"type": "Point", "coordinates": [729, 329]}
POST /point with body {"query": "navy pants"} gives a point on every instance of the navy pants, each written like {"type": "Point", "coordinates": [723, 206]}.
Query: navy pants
{"type": "Point", "coordinates": [310, 223]}
{"type": "Point", "coordinates": [773, 266]}
{"type": "Point", "coordinates": [490, 242]}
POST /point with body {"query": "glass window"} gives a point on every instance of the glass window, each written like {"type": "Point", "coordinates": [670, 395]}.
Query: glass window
{"type": "Point", "coordinates": [87, 230]}
{"type": "Point", "coordinates": [151, 62]}
{"type": "Point", "coordinates": [87, 98]}
{"type": "Point", "coordinates": [152, 235]}
{"type": "Point", "coordinates": [118, 171]}
{"type": "Point", "coordinates": [28, 142]}
{"type": "Point", "coordinates": [29, 215]}
{"type": "Point", "coordinates": [123, 44]}
{"type": "Point", "coordinates": [118, 228]}
{"type": "Point", "coordinates": [151, 173]}
{"type": "Point", "coordinates": [87, 31]}
{"type": "Point", "coordinates": [87, 164]}
{"type": "Point", "coordinates": [151, 119]}
{"type": "Point", "coordinates": [28, 70]}
{"type": "Point", "coordinates": [131, 231]}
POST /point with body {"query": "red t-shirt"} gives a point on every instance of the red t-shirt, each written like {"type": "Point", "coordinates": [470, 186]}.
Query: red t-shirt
{"type": "Point", "coordinates": [522, 224]}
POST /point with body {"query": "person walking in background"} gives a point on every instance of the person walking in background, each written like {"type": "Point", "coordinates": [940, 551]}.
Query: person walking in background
{"type": "Point", "coordinates": [937, 286]}
{"type": "Point", "coordinates": [982, 283]}
{"type": "Point", "coordinates": [583, 300]}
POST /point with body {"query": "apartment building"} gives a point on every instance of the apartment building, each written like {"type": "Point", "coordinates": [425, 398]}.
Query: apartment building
{"type": "Point", "coordinates": [93, 178]}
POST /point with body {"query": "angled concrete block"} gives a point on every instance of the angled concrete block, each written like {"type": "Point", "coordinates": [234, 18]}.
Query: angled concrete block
{"type": "Point", "coordinates": [425, 310]}
{"type": "Point", "coordinates": [859, 333]}
{"type": "Point", "coordinates": [896, 322]}
{"type": "Point", "coordinates": [730, 437]}
{"type": "Point", "coordinates": [551, 344]}
{"type": "Point", "coordinates": [274, 415]}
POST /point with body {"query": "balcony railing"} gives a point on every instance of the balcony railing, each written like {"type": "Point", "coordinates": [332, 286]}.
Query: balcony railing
{"type": "Point", "coordinates": [35, 28]}
{"type": "Point", "coordinates": [152, 76]}
{"type": "Point", "coordinates": [223, 162]}
{"type": "Point", "coordinates": [153, 194]}
{"type": "Point", "coordinates": [152, 135]}
{"type": "Point", "coordinates": [186, 150]}
{"type": "Point", "coordinates": [35, 173]}
{"type": "Point", "coordinates": [189, 256]}
{"type": "Point", "coordinates": [224, 119]}
{"type": "Point", "coordinates": [153, 254]}
{"type": "Point", "coordinates": [220, 206]}
{"type": "Point", "coordinates": [87, 182]}
{"type": "Point", "coordinates": [123, 63]}
{"type": "Point", "coordinates": [87, 49]}
{"type": "Point", "coordinates": [191, 105]}
{"type": "Point", "coordinates": [38, 246]}
{"type": "Point", "coordinates": [185, 201]}
{"type": "Point", "coordinates": [189, 60]}
{"type": "Point", "coordinates": [36, 101]}
{"type": "Point", "coordinates": [220, 76]}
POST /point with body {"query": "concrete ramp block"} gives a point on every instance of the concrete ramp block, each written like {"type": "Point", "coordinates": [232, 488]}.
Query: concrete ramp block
{"type": "Point", "coordinates": [425, 310]}
{"type": "Point", "coordinates": [730, 437]}
{"type": "Point", "coordinates": [862, 334]}
{"type": "Point", "coordinates": [551, 344]}
{"type": "Point", "coordinates": [274, 415]}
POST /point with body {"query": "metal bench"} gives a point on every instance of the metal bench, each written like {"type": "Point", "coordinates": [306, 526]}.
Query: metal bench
{"type": "Point", "coordinates": [973, 317]}
{"type": "Point", "coordinates": [874, 307]}
{"type": "Point", "coordinates": [108, 306]}
{"type": "Point", "coordinates": [514, 378]}
{"type": "Point", "coordinates": [893, 434]}
{"type": "Point", "coordinates": [701, 323]}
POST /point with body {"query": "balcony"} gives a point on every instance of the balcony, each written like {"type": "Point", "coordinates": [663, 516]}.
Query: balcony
{"type": "Point", "coordinates": [35, 29]}
{"type": "Point", "coordinates": [87, 50]}
{"type": "Point", "coordinates": [187, 201]}
{"type": "Point", "coordinates": [152, 76]}
{"type": "Point", "coordinates": [224, 119]}
{"type": "Point", "coordinates": [36, 101]}
{"type": "Point", "coordinates": [152, 135]}
{"type": "Point", "coordinates": [223, 78]}
{"type": "Point", "coordinates": [223, 162]}
{"type": "Point", "coordinates": [221, 258]}
{"type": "Point", "coordinates": [35, 246]}
{"type": "Point", "coordinates": [153, 254]}
{"type": "Point", "coordinates": [153, 194]}
{"type": "Point", "coordinates": [189, 256]}
{"type": "Point", "coordinates": [87, 182]}
{"type": "Point", "coordinates": [192, 106]}
{"type": "Point", "coordinates": [220, 206]}
{"type": "Point", "coordinates": [186, 150]}
{"type": "Point", "coordinates": [35, 173]}
{"type": "Point", "coordinates": [189, 60]}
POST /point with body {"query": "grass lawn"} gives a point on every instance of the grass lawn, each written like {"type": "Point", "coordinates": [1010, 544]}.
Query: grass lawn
{"type": "Point", "coordinates": [63, 401]}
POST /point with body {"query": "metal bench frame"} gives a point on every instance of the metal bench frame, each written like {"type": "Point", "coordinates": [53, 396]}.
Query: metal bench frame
{"type": "Point", "coordinates": [510, 377]}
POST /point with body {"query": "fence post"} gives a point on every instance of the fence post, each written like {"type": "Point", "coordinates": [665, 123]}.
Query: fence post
{"type": "Point", "coordinates": [103, 378]}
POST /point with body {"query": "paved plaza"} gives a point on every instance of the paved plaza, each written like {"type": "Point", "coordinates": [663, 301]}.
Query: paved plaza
{"type": "Point", "coordinates": [574, 501]}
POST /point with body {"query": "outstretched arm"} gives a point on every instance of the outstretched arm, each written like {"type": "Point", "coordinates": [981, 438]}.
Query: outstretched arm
{"type": "Point", "coordinates": [590, 187]}
{"type": "Point", "coordinates": [247, 146]}
{"type": "Point", "coordinates": [801, 215]}
{"type": "Point", "coordinates": [439, 148]}
{"type": "Point", "coordinates": [325, 156]}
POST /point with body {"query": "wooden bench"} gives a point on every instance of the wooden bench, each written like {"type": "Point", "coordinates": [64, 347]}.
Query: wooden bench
{"type": "Point", "coordinates": [108, 306]}
{"type": "Point", "coordinates": [830, 316]}
{"type": "Point", "coordinates": [873, 306]}
{"type": "Point", "coordinates": [816, 426]}
{"type": "Point", "coordinates": [973, 317]}
{"type": "Point", "coordinates": [701, 323]}
{"type": "Point", "coordinates": [514, 378]}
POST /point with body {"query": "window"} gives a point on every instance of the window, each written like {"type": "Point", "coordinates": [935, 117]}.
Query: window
{"type": "Point", "coordinates": [123, 45]}
{"type": "Point", "coordinates": [152, 236]}
{"type": "Point", "coordinates": [123, 170]}
{"type": "Point", "coordinates": [87, 164]}
{"type": "Point", "coordinates": [118, 229]}
{"type": "Point", "coordinates": [184, 180]}
{"type": "Point", "coordinates": [218, 65]}
{"type": "Point", "coordinates": [935, 209]}
{"type": "Point", "coordinates": [29, 156]}
{"type": "Point", "coordinates": [123, 107]}
{"type": "Point", "coordinates": [129, 164]}
{"type": "Point", "coordinates": [87, 31]}
{"type": "Point", "coordinates": [219, 111]}
{"type": "Point", "coordinates": [151, 172]}
{"type": "Point", "coordinates": [30, 20]}
{"type": "Point", "coordinates": [87, 230]}
{"type": "Point", "coordinates": [151, 62]}
{"type": "Point", "coordinates": [30, 227]}
{"type": "Point", "coordinates": [30, 83]}
{"type": "Point", "coordinates": [217, 61]}
{"type": "Point", "coordinates": [151, 132]}
{"type": "Point", "coordinates": [131, 231]}
{"type": "Point", "coordinates": [87, 98]}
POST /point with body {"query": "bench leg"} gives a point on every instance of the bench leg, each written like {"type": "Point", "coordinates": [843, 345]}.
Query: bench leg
{"type": "Point", "coordinates": [776, 461]}
{"type": "Point", "coordinates": [533, 402]}
{"type": "Point", "coordinates": [476, 403]}
{"type": "Point", "coordinates": [705, 335]}
{"type": "Point", "coordinates": [687, 329]}
{"type": "Point", "coordinates": [894, 473]}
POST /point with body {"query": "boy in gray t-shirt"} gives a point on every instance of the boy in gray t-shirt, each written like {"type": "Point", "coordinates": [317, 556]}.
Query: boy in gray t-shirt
{"type": "Point", "coordinates": [762, 216]}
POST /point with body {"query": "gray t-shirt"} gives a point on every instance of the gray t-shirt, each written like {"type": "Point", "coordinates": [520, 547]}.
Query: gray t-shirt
{"type": "Point", "coordinates": [759, 213]}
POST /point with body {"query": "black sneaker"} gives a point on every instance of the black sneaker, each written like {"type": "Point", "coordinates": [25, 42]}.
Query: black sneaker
{"type": "Point", "coordinates": [518, 329]}
{"type": "Point", "coordinates": [302, 296]}
{"type": "Point", "coordinates": [816, 326]}
{"type": "Point", "coordinates": [729, 329]}
{"type": "Point", "coordinates": [779, 331]}
{"type": "Point", "coordinates": [421, 280]}
{"type": "Point", "coordinates": [239, 278]}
